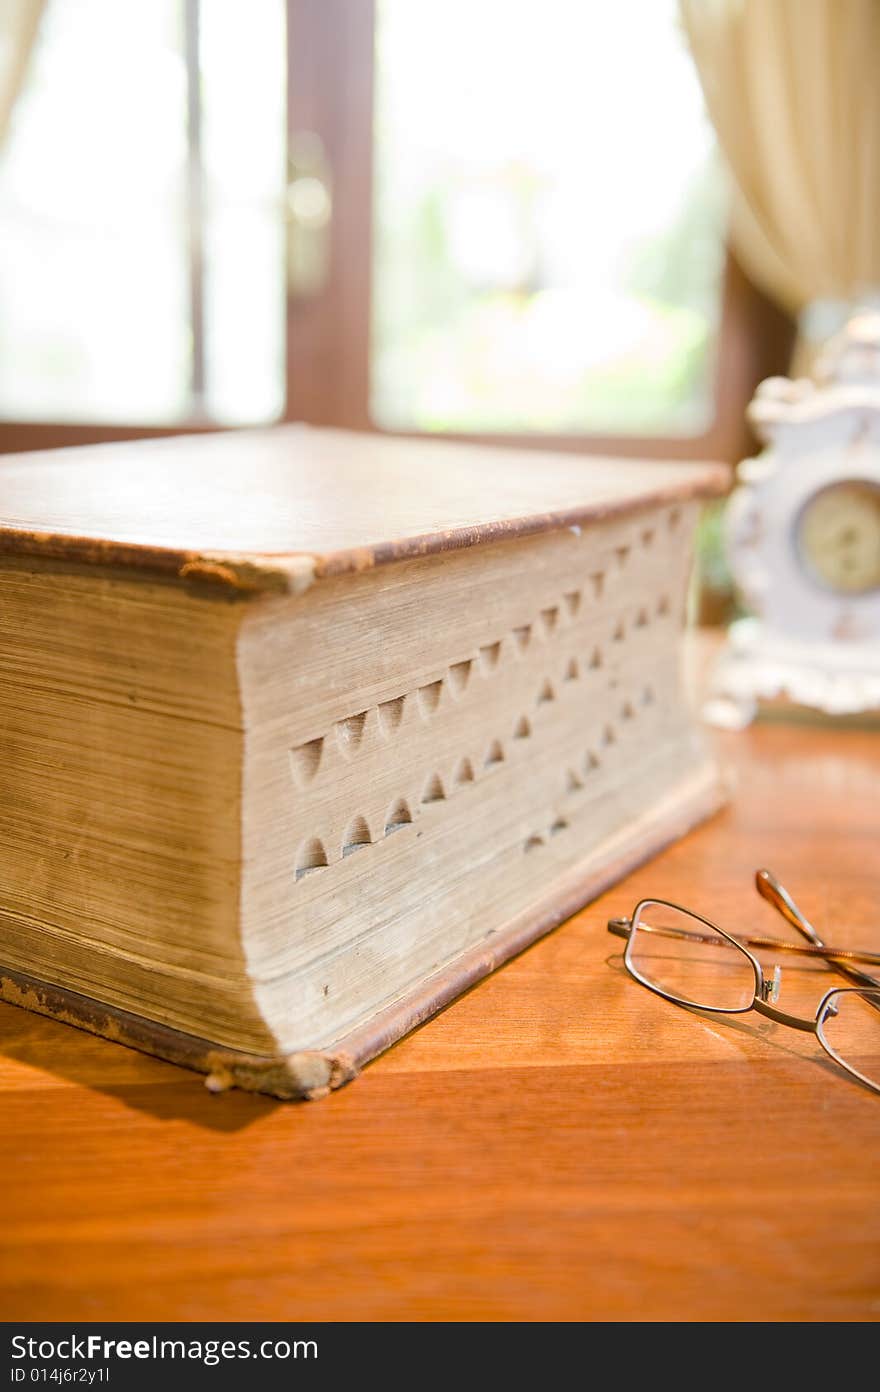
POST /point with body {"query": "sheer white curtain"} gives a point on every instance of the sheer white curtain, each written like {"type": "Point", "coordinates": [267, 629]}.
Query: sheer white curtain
{"type": "Point", "coordinates": [793, 90]}
{"type": "Point", "coordinates": [19, 22]}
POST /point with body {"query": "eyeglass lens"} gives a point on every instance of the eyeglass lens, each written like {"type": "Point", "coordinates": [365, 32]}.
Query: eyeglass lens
{"type": "Point", "coordinates": [849, 1028]}
{"type": "Point", "coordinates": [686, 958]}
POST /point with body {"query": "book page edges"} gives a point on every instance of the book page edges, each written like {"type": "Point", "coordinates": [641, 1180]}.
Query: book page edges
{"type": "Point", "coordinates": [311, 1074]}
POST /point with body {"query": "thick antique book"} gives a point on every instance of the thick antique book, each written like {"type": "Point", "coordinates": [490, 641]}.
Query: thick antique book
{"type": "Point", "coordinates": [304, 732]}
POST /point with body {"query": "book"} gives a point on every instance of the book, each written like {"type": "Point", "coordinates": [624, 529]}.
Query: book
{"type": "Point", "coordinates": [307, 731]}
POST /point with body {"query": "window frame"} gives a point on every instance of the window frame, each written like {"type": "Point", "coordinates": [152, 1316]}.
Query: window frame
{"type": "Point", "coordinates": [328, 333]}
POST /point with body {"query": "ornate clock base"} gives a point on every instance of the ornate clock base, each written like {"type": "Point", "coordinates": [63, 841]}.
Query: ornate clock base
{"type": "Point", "coordinates": [760, 666]}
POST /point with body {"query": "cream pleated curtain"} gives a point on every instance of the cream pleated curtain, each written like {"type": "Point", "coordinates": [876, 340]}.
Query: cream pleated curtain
{"type": "Point", "coordinates": [19, 22]}
{"type": "Point", "coordinates": [793, 90]}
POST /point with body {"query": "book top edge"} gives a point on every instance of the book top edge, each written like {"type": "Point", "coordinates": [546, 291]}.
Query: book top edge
{"type": "Point", "coordinates": [278, 508]}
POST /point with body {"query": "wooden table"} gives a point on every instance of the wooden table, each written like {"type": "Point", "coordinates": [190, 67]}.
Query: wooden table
{"type": "Point", "coordinates": [560, 1144]}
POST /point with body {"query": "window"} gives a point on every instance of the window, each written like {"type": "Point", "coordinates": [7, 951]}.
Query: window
{"type": "Point", "coordinates": [501, 219]}
{"type": "Point", "coordinates": [549, 220]}
{"type": "Point", "coordinates": [141, 189]}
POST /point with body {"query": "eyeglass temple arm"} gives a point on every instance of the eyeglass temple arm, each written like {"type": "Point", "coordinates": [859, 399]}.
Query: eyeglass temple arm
{"type": "Point", "coordinates": [778, 896]}
{"type": "Point", "coordinates": [622, 927]}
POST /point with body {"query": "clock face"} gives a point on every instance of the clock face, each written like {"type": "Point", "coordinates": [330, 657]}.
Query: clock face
{"type": "Point", "coordinates": [838, 536]}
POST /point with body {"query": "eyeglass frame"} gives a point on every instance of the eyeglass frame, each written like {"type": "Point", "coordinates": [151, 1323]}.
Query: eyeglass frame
{"type": "Point", "coordinates": [774, 892]}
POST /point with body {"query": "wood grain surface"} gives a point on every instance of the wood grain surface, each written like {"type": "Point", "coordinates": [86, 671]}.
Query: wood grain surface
{"type": "Point", "coordinates": [558, 1145]}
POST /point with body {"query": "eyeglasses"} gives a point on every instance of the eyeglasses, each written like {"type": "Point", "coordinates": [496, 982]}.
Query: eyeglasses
{"type": "Point", "coordinates": [687, 960]}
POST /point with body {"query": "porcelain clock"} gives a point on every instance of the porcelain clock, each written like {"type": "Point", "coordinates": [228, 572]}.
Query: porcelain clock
{"type": "Point", "coordinates": [803, 541]}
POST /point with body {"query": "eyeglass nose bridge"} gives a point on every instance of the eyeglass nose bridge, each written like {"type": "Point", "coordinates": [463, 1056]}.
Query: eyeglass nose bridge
{"type": "Point", "coordinates": [765, 1003]}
